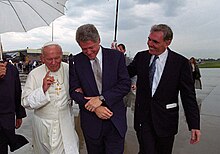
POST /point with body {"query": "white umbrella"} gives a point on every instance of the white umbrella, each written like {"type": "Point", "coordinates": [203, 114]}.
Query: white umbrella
{"type": "Point", "coordinates": [24, 15]}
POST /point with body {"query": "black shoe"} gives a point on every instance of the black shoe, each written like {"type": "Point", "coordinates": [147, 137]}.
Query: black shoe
{"type": "Point", "coordinates": [19, 142]}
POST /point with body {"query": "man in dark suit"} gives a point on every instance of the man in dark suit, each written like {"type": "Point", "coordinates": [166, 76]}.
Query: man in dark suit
{"type": "Point", "coordinates": [156, 107]}
{"type": "Point", "coordinates": [10, 106]}
{"type": "Point", "coordinates": [98, 82]}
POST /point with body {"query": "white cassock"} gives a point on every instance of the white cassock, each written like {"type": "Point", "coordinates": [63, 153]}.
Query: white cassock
{"type": "Point", "coordinates": [53, 126]}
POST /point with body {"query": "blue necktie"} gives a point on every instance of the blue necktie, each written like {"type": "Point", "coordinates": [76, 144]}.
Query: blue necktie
{"type": "Point", "coordinates": [152, 69]}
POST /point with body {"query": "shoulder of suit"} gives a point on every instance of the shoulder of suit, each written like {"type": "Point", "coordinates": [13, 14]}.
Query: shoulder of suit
{"type": "Point", "coordinates": [143, 53]}
{"type": "Point", "coordinates": [108, 50]}
{"type": "Point", "coordinates": [10, 66]}
{"type": "Point", "coordinates": [78, 55]}
{"type": "Point", "coordinates": [177, 57]}
{"type": "Point", "coordinates": [111, 52]}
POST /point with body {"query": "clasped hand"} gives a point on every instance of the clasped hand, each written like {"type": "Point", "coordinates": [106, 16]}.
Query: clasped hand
{"type": "Point", "coordinates": [94, 105]}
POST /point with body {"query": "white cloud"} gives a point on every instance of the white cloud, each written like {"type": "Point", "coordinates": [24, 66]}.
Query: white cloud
{"type": "Point", "coordinates": [195, 25]}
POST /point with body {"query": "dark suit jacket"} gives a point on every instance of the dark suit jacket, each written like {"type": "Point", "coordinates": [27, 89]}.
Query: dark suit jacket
{"type": "Point", "coordinates": [115, 85]}
{"type": "Point", "coordinates": [10, 102]}
{"type": "Point", "coordinates": [175, 78]}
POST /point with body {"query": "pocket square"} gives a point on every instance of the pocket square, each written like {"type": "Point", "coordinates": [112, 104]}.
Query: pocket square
{"type": "Point", "coordinates": [169, 106]}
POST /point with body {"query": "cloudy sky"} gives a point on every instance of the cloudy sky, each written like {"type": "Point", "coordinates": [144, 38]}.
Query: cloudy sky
{"type": "Point", "coordinates": [195, 23]}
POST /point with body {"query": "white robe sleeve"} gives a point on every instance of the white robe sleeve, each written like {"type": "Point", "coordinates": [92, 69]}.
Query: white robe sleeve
{"type": "Point", "coordinates": [33, 96]}
{"type": "Point", "coordinates": [36, 99]}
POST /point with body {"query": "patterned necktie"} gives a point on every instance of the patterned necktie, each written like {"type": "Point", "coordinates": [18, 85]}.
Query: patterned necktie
{"type": "Point", "coordinates": [97, 73]}
{"type": "Point", "coordinates": [152, 69]}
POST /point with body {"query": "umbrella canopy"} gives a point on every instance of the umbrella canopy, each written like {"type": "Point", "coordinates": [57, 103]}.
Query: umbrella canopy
{"type": "Point", "coordinates": [24, 15]}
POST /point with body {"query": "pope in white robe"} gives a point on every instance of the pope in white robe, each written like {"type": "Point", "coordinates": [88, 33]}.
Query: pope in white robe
{"type": "Point", "coordinates": [47, 92]}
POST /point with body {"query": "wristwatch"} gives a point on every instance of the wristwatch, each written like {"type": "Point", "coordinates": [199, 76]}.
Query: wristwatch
{"type": "Point", "coordinates": [101, 98]}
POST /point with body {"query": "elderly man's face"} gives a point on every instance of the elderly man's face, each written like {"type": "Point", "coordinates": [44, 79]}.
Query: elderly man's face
{"type": "Point", "coordinates": [52, 57]}
{"type": "Point", "coordinates": [90, 48]}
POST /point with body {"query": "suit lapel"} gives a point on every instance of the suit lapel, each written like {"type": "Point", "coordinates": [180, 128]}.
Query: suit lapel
{"type": "Point", "coordinates": [106, 66]}
{"type": "Point", "coordinates": [166, 72]}
{"type": "Point", "coordinates": [146, 63]}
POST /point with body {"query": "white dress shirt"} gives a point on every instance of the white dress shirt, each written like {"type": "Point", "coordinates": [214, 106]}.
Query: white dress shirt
{"type": "Point", "coordinates": [160, 63]}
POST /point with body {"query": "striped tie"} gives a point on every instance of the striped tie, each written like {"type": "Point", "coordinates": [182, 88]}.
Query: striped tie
{"type": "Point", "coordinates": [152, 69]}
{"type": "Point", "coordinates": [98, 74]}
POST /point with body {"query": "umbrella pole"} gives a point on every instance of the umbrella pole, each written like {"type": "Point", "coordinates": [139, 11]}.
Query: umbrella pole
{"type": "Point", "coordinates": [52, 32]}
{"type": "Point", "coordinates": [1, 50]}
{"type": "Point", "coordinates": [116, 22]}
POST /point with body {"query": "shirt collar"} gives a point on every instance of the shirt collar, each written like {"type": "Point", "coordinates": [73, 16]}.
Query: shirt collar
{"type": "Point", "coordinates": [163, 56]}
{"type": "Point", "coordinates": [99, 54]}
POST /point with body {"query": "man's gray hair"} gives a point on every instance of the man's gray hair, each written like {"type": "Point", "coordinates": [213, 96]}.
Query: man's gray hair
{"type": "Point", "coordinates": [87, 32]}
{"type": "Point", "coordinates": [50, 43]}
{"type": "Point", "coordinates": [165, 29]}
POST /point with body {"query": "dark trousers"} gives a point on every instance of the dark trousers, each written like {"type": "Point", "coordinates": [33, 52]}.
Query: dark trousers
{"type": "Point", "coordinates": [150, 143]}
{"type": "Point", "coordinates": [109, 142]}
{"type": "Point", "coordinates": [3, 143]}
{"type": "Point", "coordinates": [9, 138]}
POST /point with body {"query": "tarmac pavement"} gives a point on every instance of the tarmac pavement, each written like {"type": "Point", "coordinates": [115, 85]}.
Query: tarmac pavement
{"type": "Point", "coordinates": [209, 97]}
